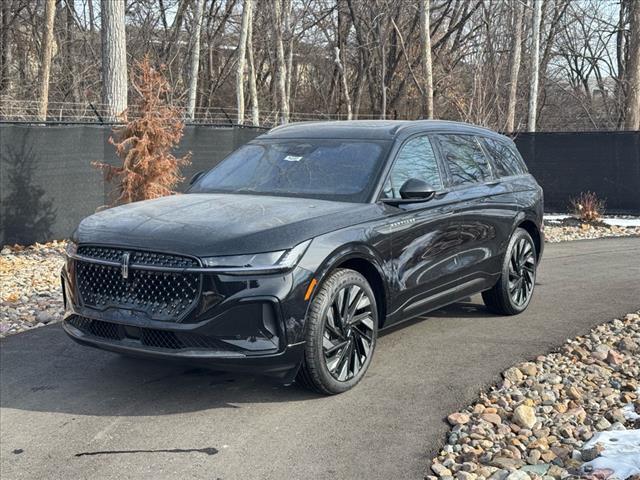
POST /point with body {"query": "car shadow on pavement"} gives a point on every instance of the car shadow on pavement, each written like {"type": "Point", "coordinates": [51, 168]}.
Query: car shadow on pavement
{"type": "Point", "coordinates": [43, 370]}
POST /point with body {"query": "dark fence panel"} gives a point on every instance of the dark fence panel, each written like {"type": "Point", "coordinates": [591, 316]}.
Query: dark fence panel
{"type": "Point", "coordinates": [565, 164]}
{"type": "Point", "coordinates": [47, 183]}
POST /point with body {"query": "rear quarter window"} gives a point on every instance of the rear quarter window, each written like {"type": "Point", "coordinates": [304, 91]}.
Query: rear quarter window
{"type": "Point", "coordinates": [465, 159]}
{"type": "Point", "coordinates": [505, 159]}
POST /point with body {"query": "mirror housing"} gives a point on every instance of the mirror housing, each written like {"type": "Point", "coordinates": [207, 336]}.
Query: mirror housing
{"type": "Point", "coordinates": [416, 189]}
{"type": "Point", "coordinates": [195, 177]}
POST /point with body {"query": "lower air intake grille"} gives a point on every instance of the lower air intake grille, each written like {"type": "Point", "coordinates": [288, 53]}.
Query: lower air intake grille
{"type": "Point", "coordinates": [148, 337]}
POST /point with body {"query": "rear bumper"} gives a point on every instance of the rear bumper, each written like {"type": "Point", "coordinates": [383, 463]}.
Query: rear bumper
{"type": "Point", "coordinates": [282, 364]}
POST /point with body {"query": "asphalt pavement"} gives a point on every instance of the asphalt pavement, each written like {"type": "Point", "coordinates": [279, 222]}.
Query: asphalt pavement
{"type": "Point", "coordinates": [73, 412]}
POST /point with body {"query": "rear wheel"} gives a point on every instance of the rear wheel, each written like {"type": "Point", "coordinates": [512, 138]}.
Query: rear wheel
{"type": "Point", "coordinates": [341, 332]}
{"type": "Point", "coordinates": [513, 291]}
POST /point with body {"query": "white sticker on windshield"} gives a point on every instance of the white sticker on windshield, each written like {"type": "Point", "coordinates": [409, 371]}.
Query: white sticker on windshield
{"type": "Point", "coordinates": [292, 158]}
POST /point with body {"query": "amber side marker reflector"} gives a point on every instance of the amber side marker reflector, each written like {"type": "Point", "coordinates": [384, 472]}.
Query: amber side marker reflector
{"type": "Point", "coordinates": [312, 285]}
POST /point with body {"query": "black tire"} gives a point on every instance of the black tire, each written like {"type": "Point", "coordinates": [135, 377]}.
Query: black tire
{"type": "Point", "coordinates": [325, 362]}
{"type": "Point", "coordinates": [513, 291]}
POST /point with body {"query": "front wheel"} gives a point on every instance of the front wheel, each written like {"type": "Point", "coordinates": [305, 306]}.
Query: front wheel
{"type": "Point", "coordinates": [513, 291]}
{"type": "Point", "coordinates": [341, 332]}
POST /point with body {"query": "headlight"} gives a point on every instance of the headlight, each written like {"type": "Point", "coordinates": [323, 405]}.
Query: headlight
{"type": "Point", "coordinates": [260, 262]}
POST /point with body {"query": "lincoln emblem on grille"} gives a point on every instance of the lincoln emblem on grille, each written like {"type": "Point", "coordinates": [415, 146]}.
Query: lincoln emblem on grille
{"type": "Point", "coordinates": [125, 265]}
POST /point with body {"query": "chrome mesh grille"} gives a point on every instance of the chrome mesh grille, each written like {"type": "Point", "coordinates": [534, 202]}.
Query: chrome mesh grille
{"type": "Point", "coordinates": [165, 296]}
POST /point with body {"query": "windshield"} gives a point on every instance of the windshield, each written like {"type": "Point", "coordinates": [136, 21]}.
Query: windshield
{"type": "Point", "coordinates": [343, 170]}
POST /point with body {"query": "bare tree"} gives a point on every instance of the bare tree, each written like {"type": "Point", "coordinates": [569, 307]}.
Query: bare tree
{"type": "Point", "coordinates": [253, 88]}
{"type": "Point", "coordinates": [427, 64]}
{"type": "Point", "coordinates": [339, 51]}
{"type": "Point", "coordinates": [632, 114]}
{"type": "Point", "coordinates": [535, 65]}
{"type": "Point", "coordinates": [281, 67]}
{"type": "Point", "coordinates": [378, 70]}
{"type": "Point", "coordinates": [195, 58]}
{"type": "Point", "coordinates": [514, 63]}
{"type": "Point", "coordinates": [114, 59]}
{"type": "Point", "coordinates": [91, 16]}
{"type": "Point", "coordinates": [242, 51]}
{"type": "Point", "coordinates": [45, 59]}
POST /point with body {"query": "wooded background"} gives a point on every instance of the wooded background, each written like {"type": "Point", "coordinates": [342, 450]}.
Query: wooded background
{"type": "Point", "coordinates": [512, 65]}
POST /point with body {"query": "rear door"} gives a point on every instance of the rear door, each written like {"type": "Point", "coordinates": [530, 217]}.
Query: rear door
{"type": "Point", "coordinates": [424, 237]}
{"type": "Point", "coordinates": [484, 212]}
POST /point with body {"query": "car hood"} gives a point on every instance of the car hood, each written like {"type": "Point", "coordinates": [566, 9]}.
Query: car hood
{"type": "Point", "coordinates": [219, 224]}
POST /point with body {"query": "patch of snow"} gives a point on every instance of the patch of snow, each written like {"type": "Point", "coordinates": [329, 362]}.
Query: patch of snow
{"type": "Point", "coordinates": [609, 220]}
{"type": "Point", "coordinates": [555, 216]}
{"type": "Point", "coordinates": [621, 453]}
{"type": "Point", "coordinates": [629, 412]}
{"type": "Point", "coordinates": [622, 222]}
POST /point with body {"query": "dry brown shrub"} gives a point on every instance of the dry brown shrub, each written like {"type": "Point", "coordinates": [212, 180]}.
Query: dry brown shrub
{"type": "Point", "coordinates": [145, 142]}
{"type": "Point", "coordinates": [587, 207]}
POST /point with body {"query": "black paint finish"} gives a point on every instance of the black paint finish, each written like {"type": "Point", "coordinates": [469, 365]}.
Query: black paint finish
{"type": "Point", "coordinates": [417, 256]}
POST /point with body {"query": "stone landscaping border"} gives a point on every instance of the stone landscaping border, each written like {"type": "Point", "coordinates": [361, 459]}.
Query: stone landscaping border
{"type": "Point", "coordinates": [536, 423]}
{"type": "Point", "coordinates": [561, 228]}
{"type": "Point", "coordinates": [30, 286]}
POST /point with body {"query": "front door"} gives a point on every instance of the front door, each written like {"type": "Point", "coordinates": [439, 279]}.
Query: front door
{"type": "Point", "coordinates": [425, 235]}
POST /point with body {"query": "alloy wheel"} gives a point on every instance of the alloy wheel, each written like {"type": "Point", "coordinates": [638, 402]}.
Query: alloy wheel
{"type": "Point", "coordinates": [348, 332]}
{"type": "Point", "coordinates": [522, 272]}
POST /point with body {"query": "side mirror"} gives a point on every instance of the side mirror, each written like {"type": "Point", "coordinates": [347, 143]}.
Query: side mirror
{"type": "Point", "coordinates": [416, 189]}
{"type": "Point", "coordinates": [195, 178]}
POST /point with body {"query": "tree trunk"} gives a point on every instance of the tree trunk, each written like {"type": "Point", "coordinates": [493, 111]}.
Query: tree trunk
{"type": "Point", "coordinates": [382, 39]}
{"type": "Point", "coordinates": [92, 21]}
{"type": "Point", "coordinates": [281, 68]}
{"type": "Point", "coordinates": [253, 89]}
{"type": "Point", "coordinates": [242, 52]}
{"type": "Point", "coordinates": [194, 66]}
{"type": "Point", "coordinates": [286, 22]}
{"type": "Point", "coordinates": [427, 63]}
{"type": "Point", "coordinates": [70, 59]}
{"type": "Point", "coordinates": [632, 111]}
{"type": "Point", "coordinates": [5, 52]}
{"type": "Point", "coordinates": [45, 59]}
{"type": "Point", "coordinates": [345, 85]}
{"type": "Point", "coordinates": [514, 64]}
{"type": "Point", "coordinates": [535, 65]}
{"type": "Point", "coordinates": [342, 32]}
{"type": "Point", "coordinates": [114, 59]}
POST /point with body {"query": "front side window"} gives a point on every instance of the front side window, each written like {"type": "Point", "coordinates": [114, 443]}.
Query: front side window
{"type": "Point", "coordinates": [465, 159]}
{"type": "Point", "coordinates": [506, 161]}
{"type": "Point", "coordinates": [415, 159]}
{"type": "Point", "coordinates": [343, 170]}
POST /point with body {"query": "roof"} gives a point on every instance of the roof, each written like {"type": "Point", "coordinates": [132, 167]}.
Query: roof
{"type": "Point", "coordinates": [370, 129]}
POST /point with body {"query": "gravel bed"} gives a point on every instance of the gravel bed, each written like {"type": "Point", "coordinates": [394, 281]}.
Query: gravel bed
{"type": "Point", "coordinates": [30, 286]}
{"type": "Point", "coordinates": [569, 228]}
{"type": "Point", "coordinates": [536, 422]}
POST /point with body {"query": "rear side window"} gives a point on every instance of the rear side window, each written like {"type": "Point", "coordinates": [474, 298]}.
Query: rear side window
{"type": "Point", "coordinates": [415, 160]}
{"type": "Point", "coordinates": [504, 158]}
{"type": "Point", "coordinates": [466, 161]}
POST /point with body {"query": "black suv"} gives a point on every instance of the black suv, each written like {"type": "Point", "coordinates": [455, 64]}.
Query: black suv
{"type": "Point", "coordinates": [290, 255]}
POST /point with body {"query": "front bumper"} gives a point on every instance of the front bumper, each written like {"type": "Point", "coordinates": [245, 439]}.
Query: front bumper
{"type": "Point", "coordinates": [252, 323]}
{"type": "Point", "coordinates": [282, 364]}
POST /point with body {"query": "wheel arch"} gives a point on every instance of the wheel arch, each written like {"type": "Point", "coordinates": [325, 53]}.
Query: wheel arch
{"type": "Point", "coordinates": [533, 230]}
{"type": "Point", "coordinates": [361, 259]}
